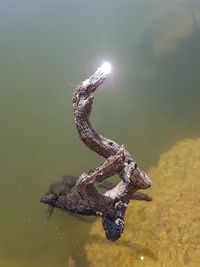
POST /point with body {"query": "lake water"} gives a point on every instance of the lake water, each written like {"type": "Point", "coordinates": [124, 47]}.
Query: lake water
{"type": "Point", "coordinates": [149, 101]}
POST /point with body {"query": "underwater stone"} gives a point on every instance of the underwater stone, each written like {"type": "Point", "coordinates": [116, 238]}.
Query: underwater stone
{"type": "Point", "coordinates": [166, 231]}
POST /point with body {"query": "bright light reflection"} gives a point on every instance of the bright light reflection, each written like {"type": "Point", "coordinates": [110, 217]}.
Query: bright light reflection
{"type": "Point", "coordinates": [105, 68]}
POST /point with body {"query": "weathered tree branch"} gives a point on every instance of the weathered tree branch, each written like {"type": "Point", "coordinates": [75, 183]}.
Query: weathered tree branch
{"type": "Point", "coordinates": [111, 205]}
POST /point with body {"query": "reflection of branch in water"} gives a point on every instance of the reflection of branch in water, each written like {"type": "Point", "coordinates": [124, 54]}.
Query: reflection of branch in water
{"type": "Point", "coordinates": [136, 249]}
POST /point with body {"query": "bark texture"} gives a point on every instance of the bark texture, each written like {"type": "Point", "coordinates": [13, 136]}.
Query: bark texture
{"type": "Point", "coordinates": [111, 205]}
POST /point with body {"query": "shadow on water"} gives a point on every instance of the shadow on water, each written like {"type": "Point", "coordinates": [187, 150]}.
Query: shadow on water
{"type": "Point", "coordinates": [80, 258]}
{"type": "Point", "coordinates": [135, 248]}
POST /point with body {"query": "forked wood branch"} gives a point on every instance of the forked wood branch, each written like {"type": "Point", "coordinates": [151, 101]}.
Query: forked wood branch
{"type": "Point", "coordinates": [111, 205]}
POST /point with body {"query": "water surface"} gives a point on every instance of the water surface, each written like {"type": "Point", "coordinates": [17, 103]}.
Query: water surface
{"type": "Point", "coordinates": [150, 101]}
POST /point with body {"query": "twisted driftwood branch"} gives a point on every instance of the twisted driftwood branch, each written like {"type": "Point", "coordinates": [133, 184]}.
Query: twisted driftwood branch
{"type": "Point", "coordinates": [111, 205]}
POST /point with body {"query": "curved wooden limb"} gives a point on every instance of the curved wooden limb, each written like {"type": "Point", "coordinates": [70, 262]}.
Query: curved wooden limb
{"type": "Point", "coordinates": [111, 205]}
{"type": "Point", "coordinates": [82, 107]}
{"type": "Point", "coordinates": [110, 167]}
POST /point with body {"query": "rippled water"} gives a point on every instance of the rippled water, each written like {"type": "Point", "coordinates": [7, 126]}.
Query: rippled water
{"type": "Point", "coordinates": [150, 101]}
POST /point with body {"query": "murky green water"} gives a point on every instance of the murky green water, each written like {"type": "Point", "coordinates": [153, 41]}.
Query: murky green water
{"type": "Point", "coordinates": [151, 100]}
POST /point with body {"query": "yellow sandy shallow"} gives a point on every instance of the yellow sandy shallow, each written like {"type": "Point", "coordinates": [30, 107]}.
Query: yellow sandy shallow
{"type": "Point", "coordinates": [166, 231]}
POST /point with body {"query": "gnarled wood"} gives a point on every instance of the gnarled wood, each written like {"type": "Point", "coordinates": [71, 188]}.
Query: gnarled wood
{"type": "Point", "coordinates": [111, 205]}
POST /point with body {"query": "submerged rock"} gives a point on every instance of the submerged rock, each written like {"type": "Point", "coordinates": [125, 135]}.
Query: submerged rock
{"type": "Point", "coordinates": [166, 231]}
